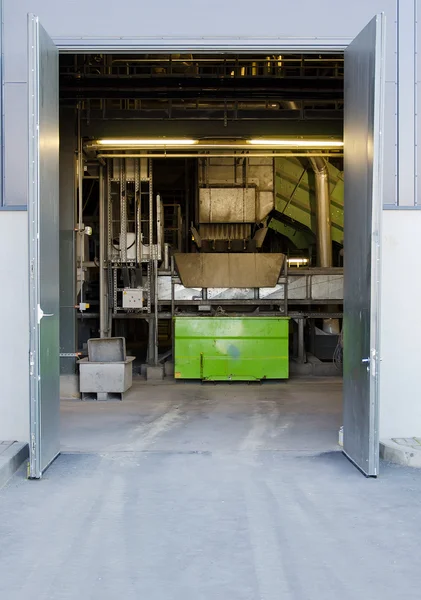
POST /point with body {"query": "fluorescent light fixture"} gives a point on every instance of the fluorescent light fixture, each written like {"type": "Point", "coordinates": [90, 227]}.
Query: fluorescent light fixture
{"type": "Point", "coordinates": [297, 261]}
{"type": "Point", "coordinates": [140, 143]}
{"type": "Point", "coordinates": [301, 143]}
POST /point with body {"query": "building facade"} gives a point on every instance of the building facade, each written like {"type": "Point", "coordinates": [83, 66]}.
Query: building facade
{"type": "Point", "coordinates": [74, 23]}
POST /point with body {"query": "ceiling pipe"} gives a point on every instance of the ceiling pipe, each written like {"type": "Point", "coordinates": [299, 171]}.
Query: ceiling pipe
{"type": "Point", "coordinates": [324, 234]}
{"type": "Point", "coordinates": [289, 105]}
{"type": "Point", "coordinates": [211, 154]}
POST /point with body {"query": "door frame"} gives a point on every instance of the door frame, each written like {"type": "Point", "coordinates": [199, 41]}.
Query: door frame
{"type": "Point", "coordinates": [239, 45]}
{"type": "Point", "coordinates": [166, 45]}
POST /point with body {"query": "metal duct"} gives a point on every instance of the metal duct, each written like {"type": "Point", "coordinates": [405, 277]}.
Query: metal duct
{"type": "Point", "coordinates": [289, 105]}
{"type": "Point", "coordinates": [324, 235]}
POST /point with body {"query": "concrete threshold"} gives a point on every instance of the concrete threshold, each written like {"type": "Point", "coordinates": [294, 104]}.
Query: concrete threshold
{"type": "Point", "coordinates": [12, 455]}
{"type": "Point", "coordinates": [402, 451]}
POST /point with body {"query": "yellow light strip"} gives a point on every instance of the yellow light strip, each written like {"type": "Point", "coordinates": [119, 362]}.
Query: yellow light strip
{"type": "Point", "coordinates": [157, 142]}
{"type": "Point", "coordinates": [297, 261]}
{"type": "Point", "coordinates": [298, 143]}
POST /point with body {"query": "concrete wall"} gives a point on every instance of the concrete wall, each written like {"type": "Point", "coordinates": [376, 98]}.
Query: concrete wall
{"type": "Point", "coordinates": [69, 21]}
{"type": "Point", "coordinates": [14, 327]}
{"type": "Point", "coordinates": [400, 410]}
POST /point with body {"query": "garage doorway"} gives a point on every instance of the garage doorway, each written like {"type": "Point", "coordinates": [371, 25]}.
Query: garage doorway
{"type": "Point", "coordinates": [363, 192]}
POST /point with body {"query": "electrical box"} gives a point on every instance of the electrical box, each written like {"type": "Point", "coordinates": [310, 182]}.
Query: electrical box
{"type": "Point", "coordinates": [132, 298]}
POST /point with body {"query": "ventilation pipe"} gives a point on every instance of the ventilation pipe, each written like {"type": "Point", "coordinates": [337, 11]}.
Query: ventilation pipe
{"type": "Point", "coordinates": [324, 235]}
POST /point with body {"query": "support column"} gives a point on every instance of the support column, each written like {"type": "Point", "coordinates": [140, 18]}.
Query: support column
{"type": "Point", "coordinates": [301, 347]}
{"type": "Point", "coordinates": [103, 274]}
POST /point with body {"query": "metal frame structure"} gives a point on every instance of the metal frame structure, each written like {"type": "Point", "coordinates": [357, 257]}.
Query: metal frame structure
{"type": "Point", "coordinates": [164, 288]}
{"type": "Point", "coordinates": [83, 74]}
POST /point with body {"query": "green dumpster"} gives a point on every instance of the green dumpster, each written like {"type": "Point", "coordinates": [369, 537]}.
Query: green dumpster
{"type": "Point", "coordinates": [226, 348]}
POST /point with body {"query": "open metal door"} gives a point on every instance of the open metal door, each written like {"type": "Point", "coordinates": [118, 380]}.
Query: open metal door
{"type": "Point", "coordinates": [43, 214]}
{"type": "Point", "coordinates": [363, 133]}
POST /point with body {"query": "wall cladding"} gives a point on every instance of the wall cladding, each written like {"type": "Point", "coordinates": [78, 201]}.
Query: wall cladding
{"type": "Point", "coordinates": [190, 23]}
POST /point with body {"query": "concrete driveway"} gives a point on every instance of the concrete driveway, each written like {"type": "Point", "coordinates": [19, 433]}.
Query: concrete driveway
{"type": "Point", "coordinates": [203, 492]}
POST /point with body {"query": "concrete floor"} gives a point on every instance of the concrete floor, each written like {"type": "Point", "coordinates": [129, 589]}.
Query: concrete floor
{"type": "Point", "coordinates": [190, 417]}
{"type": "Point", "coordinates": [205, 492]}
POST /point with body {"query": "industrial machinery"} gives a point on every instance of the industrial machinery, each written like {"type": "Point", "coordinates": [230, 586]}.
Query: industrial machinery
{"type": "Point", "coordinates": [228, 286]}
{"type": "Point", "coordinates": [222, 238]}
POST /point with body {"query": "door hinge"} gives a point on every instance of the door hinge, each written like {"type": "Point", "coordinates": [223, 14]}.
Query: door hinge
{"type": "Point", "coordinates": [31, 363]}
{"type": "Point", "coordinates": [32, 268]}
{"type": "Point", "coordinates": [373, 362]}
{"type": "Point", "coordinates": [33, 444]}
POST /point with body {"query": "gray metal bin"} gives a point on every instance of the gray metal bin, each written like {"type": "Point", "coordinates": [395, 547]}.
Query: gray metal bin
{"type": "Point", "coordinates": [103, 378]}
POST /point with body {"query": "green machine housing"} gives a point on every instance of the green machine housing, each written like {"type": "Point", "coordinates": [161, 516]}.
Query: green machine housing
{"type": "Point", "coordinates": [226, 348]}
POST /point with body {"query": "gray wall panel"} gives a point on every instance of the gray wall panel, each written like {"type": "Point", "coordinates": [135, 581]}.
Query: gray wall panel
{"type": "Point", "coordinates": [406, 102]}
{"type": "Point", "coordinates": [417, 122]}
{"type": "Point", "coordinates": [16, 144]}
{"type": "Point", "coordinates": [14, 41]}
{"type": "Point", "coordinates": [417, 39]}
{"type": "Point", "coordinates": [390, 168]}
{"type": "Point", "coordinates": [186, 19]}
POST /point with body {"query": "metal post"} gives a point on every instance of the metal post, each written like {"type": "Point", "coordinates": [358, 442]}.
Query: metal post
{"type": "Point", "coordinates": [138, 197]}
{"type": "Point", "coordinates": [301, 348]}
{"type": "Point", "coordinates": [151, 340]}
{"type": "Point", "coordinates": [151, 240]}
{"type": "Point", "coordinates": [103, 274]}
{"type": "Point", "coordinates": [80, 234]}
{"type": "Point", "coordinates": [166, 257]}
{"type": "Point", "coordinates": [324, 234]}
{"type": "Point", "coordinates": [172, 308]}
{"type": "Point", "coordinates": [172, 289]}
{"type": "Point", "coordinates": [186, 208]}
{"type": "Point", "coordinates": [156, 308]}
{"type": "Point", "coordinates": [159, 228]}
{"type": "Point", "coordinates": [123, 212]}
{"type": "Point", "coordinates": [286, 287]}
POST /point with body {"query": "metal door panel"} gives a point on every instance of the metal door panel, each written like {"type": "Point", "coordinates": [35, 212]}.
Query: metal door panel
{"type": "Point", "coordinates": [363, 132]}
{"type": "Point", "coordinates": [43, 205]}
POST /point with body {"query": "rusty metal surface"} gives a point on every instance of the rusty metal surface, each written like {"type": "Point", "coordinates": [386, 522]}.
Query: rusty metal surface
{"type": "Point", "coordinates": [227, 205]}
{"type": "Point", "coordinates": [225, 231]}
{"type": "Point", "coordinates": [229, 270]}
{"type": "Point", "coordinates": [259, 236]}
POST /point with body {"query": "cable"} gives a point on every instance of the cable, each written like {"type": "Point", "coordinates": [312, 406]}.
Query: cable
{"type": "Point", "coordinates": [128, 247]}
{"type": "Point", "coordinates": [338, 353]}
{"type": "Point", "coordinates": [89, 195]}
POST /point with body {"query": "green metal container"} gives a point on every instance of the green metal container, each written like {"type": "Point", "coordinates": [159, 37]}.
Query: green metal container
{"type": "Point", "coordinates": [231, 348]}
